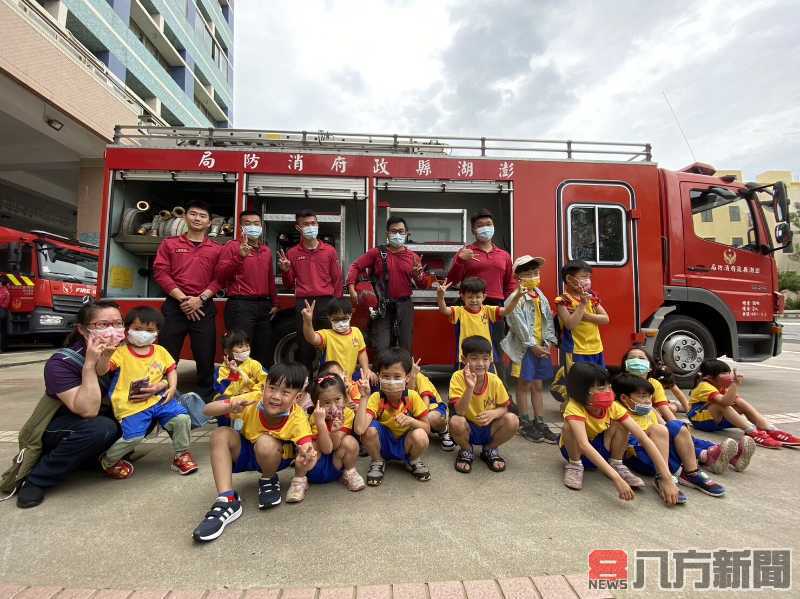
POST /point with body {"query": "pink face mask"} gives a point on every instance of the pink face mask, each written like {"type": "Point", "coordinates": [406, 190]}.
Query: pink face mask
{"type": "Point", "coordinates": [726, 378]}
{"type": "Point", "coordinates": [110, 335]}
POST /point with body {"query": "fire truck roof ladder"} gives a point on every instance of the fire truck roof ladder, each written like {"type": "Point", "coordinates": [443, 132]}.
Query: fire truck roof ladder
{"type": "Point", "coordinates": [382, 143]}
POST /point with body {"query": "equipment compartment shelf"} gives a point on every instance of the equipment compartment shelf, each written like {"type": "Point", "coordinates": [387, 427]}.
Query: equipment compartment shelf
{"type": "Point", "coordinates": [146, 245]}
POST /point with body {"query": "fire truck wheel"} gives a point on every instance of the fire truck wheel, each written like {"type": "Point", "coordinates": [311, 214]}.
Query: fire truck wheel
{"type": "Point", "coordinates": [284, 335]}
{"type": "Point", "coordinates": [682, 344]}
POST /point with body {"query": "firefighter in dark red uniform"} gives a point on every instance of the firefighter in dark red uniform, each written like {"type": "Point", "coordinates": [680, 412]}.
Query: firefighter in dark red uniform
{"type": "Point", "coordinates": [484, 260]}
{"type": "Point", "coordinates": [185, 269]}
{"type": "Point", "coordinates": [313, 269]}
{"type": "Point", "coordinates": [404, 269]}
{"type": "Point", "coordinates": [245, 269]}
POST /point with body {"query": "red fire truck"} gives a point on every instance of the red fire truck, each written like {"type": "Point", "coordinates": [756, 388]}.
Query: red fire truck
{"type": "Point", "coordinates": [49, 278]}
{"type": "Point", "coordinates": [683, 260]}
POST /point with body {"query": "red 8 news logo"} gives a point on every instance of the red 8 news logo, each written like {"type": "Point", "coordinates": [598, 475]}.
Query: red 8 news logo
{"type": "Point", "coordinates": [608, 564]}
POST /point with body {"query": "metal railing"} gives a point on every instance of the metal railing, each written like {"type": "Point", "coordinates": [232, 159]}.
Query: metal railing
{"type": "Point", "coordinates": [40, 19]}
{"type": "Point", "coordinates": [328, 141]}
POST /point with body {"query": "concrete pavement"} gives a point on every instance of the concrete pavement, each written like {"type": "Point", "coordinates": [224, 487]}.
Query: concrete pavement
{"type": "Point", "coordinates": [136, 534]}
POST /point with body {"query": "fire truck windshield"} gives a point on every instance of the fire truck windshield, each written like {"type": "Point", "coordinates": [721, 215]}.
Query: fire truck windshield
{"type": "Point", "coordinates": [61, 264]}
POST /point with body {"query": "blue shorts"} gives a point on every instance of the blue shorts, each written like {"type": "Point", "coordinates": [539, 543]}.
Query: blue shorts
{"type": "Point", "coordinates": [246, 462]}
{"type": "Point", "coordinates": [534, 369]}
{"type": "Point", "coordinates": [441, 408]}
{"type": "Point", "coordinates": [599, 444]}
{"type": "Point", "coordinates": [479, 435]}
{"type": "Point", "coordinates": [392, 448]}
{"type": "Point", "coordinates": [590, 358]}
{"type": "Point", "coordinates": [636, 457]}
{"type": "Point", "coordinates": [136, 425]}
{"type": "Point", "coordinates": [324, 471]}
{"type": "Point", "coordinates": [703, 420]}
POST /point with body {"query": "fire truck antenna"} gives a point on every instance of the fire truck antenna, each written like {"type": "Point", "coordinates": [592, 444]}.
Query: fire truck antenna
{"type": "Point", "coordinates": [677, 122]}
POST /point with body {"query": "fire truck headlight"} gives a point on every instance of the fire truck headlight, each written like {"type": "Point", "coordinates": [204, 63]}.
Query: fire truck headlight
{"type": "Point", "coordinates": [51, 320]}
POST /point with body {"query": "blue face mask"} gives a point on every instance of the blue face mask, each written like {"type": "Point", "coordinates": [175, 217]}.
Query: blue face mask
{"type": "Point", "coordinates": [638, 366]}
{"type": "Point", "coordinates": [642, 409]}
{"type": "Point", "coordinates": [310, 232]}
{"type": "Point", "coordinates": [252, 231]}
{"type": "Point", "coordinates": [396, 239]}
{"type": "Point", "coordinates": [484, 233]}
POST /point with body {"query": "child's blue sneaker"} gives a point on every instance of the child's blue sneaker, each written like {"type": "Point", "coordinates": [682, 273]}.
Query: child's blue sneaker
{"type": "Point", "coordinates": [702, 482]}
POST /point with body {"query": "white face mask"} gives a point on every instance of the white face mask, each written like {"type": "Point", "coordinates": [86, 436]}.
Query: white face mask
{"type": "Point", "coordinates": [341, 326]}
{"type": "Point", "coordinates": [396, 239]}
{"type": "Point", "coordinates": [241, 356]}
{"type": "Point", "coordinates": [252, 231]}
{"type": "Point", "coordinates": [310, 232]}
{"type": "Point", "coordinates": [392, 385]}
{"type": "Point", "coordinates": [141, 338]}
{"type": "Point", "coordinates": [484, 233]}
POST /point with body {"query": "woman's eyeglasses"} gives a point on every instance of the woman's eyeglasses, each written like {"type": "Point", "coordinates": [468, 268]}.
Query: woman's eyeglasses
{"type": "Point", "coordinates": [104, 324]}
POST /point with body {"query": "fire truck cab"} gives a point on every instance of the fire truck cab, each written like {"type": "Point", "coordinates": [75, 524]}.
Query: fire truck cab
{"type": "Point", "coordinates": [49, 278]}
{"type": "Point", "coordinates": [682, 259]}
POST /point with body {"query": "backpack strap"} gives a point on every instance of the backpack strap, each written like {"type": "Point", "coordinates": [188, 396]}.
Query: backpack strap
{"type": "Point", "coordinates": [72, 356]}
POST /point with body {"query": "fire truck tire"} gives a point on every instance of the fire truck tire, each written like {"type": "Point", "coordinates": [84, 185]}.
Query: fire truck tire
{"type": "Point", "coordinates": [284, 345]}
{"type": "Point", "coordinates": [682, 344]}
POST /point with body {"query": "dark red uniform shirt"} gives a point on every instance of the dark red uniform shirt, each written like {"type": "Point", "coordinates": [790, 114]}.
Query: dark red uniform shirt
{"type": "Point", "coordinates": [401, 271]}
{"type": "Point", "coordinates": [183, 265]}
{"type": "Point", "coordinates": [253, 276]}
{"type": "Point", "coordinates": [314, 273]}
{"type": "Point", "coordinates": [494, 267]}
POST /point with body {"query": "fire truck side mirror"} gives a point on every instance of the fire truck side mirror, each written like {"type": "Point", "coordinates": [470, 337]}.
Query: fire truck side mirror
{"type": "Point", "coordinates": [780, 202]}
{"type": "Point", "coordinates": [783, 237]}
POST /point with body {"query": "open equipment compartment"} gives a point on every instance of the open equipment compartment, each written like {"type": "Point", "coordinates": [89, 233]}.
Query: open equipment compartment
{"type": "Point", "coordinates": [438, 234]}
{"type": "Point", "coordinates": [146, 207]}
{"type": "Point", "coordinates": [338, 203]}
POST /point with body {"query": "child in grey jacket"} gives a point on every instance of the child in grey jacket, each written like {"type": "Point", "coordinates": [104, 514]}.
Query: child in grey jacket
{"type": "Point", "coordinates": [531, 335]}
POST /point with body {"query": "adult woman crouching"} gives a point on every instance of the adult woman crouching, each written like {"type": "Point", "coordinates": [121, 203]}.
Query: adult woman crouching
{"type": "Point", "coordinates": [72, 424]}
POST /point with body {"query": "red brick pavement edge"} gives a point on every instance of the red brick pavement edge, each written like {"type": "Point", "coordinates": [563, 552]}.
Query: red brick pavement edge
{"type": "Point", "coordinates": [535, 587]}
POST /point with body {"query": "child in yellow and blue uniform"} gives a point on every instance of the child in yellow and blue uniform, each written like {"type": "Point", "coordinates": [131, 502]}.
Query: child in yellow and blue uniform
{"type": "Point", "coordinates": [715, 405]}
{"type": "Point", "coordinates": [715, 457]}
{"type": "Point", "coordinates": [479, 401]}
{"type": "Point", "coordinates": [239, 374]}
{"type": "Point", "coordinates": [331, 427]}
{"type": "Point", "coordinates": [596, 434]}
{"type": "Point", "coordinates": [275, 430]}
{"type": "Point", "coordinates": [580, 315]}
{"type": "Point", "coordinates": [139, 368]}
{"type": "Point", "coordinates": [341, 343]}
{"type": "Point", "coordinates": [437, 409]}
{"type": "Point", "coordinates": [474, 318]}
{"type": "Point", "coordinates": [673, 438]}
{"type": "Point", "coordinates": [393, 423]}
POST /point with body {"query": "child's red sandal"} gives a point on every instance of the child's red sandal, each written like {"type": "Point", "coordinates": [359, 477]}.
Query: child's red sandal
{"type": "Point", "coordinates": [184, 463]}
{"type": "Point", "coordinates": [120, 471]}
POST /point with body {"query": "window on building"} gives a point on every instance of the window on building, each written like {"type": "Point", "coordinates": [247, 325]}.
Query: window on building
{"type": "Point", "coordinates": [597, 234]}
{"type": "Point", "coordinates": [140, 35]}
{"type": "Point", "coordinates": [717, 216]}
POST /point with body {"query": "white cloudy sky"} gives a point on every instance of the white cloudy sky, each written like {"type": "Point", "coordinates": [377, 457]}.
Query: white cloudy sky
{"type": "Point", "coordinates": [532, 68]}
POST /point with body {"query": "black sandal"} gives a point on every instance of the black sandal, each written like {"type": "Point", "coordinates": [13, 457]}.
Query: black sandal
{"type": "Point", "coordinates": [492, 457]}
{"type": "Point", "coordinates": [464, 459]}
{"type": "Point", "coordinates": [375, 473]}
